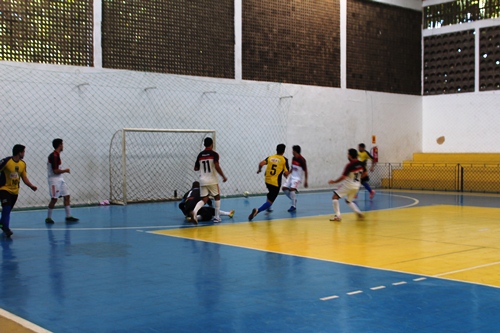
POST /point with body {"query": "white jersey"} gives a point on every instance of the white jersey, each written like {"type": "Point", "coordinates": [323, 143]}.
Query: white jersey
{"type": "Point", "coordinates": [206, 164]}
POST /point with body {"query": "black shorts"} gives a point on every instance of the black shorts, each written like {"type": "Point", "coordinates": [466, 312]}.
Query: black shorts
{"type": "Point", "coordinates": [207, 213]}
{"type": "Point", "coordinates": [365, 179]}
{"type": "Point", "coordinates": [273, 192]}
{"type": "Point", "coordinates": [7, 198]}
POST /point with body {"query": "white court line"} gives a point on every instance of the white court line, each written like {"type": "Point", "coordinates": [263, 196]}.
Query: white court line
{"type": "Point", "coordinates": [109, 228]}
{"type": "Point", "coordinates": [23, 322]}
{"type": "Point", "coordinates": [354, 292]}
{"type": "Point", "coordinates": [468, 269]}
{"type": "Point", "coordinates": [398, 283]}
{"type": "Point", "coordinates": [377, 288]}
{"type": "Point", "coordinates": [328, 298]}
{"type": "Point", "coordinates": [419, 279]}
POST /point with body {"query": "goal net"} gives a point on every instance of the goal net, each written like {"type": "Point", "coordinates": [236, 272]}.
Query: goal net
{"type": "Point", "coordinates": [153, 164]}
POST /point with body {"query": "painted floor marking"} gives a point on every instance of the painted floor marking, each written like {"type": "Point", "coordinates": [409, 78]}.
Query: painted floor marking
{"type": "Point", "coordinates": [23, 322]}
{"type": "Point", "coordinates": [399, 283]}
{"type": "Point", "coordinates": [377, 288]}
{"type": "Point", "coordinates": [468, 269]}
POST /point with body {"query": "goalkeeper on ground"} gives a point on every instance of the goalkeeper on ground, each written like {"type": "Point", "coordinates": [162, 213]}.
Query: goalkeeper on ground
{"type": "Point", "coordinates": [191, 198]}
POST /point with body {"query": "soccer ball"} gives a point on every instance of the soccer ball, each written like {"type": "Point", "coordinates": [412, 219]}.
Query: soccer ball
{"type": "Point", "coordinates": [246, 194]}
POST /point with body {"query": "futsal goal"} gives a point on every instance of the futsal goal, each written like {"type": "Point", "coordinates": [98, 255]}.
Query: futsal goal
{"type": "Point", "coordinates": [147, 165]}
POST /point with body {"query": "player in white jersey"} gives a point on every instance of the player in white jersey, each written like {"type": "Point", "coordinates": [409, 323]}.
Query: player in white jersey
{"type": "Point", "coordinates": [57, 185]}
{"type": "Point", "coordinates": [351, 181]}
{"type": "Point", "coordinates": [299, 168]}
{"type": "Point", "coordinates": [207, 163]}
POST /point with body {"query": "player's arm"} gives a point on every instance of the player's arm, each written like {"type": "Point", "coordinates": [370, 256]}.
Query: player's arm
{"type": "Point", "coordinates": [338, 180]}
{"type": "Point", "coordinates": [261, 164]}
{"type": "Point", "coordinates": [372, 167]}
{"type": "Point", "coordinates": [25, 179]}
{"type": "Point", "coordinates": [197, 165]}
{"type": "Point", "coordinates": [344, 175]}
{"type": "Point", "coordinates": [55, 166]}
{"type": "Point", "coordinates": [219, 170]}
{"type": "Point", "coordinates": [304, 167]}
{"type": "Point", "coordinates": [60, 171]}
{"type": "Point", "coordinates": [287, 168]}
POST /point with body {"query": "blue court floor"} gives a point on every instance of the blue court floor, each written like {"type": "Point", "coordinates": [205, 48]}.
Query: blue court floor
{"type": "Point", "coordinates": [132, 269]}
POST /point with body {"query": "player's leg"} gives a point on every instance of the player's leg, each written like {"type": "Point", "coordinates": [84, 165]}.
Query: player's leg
{"type": "Point", "coordinates": [215, 192]}
{"type": "Point", "coordinates": [286, 186]}
{"type": "Point", "coordinates": [337, 194]}
{"type": "Point", "coordinates": [349, 200]}
{"type": "Point", "coordinates": [293, 194]}
{"type": "Point", "coordinates": [366, 185]}
{"type": "Point", "coordinates": [8, 202]}
{"type": "Point", "coordinates": [63, 191]}
{"type": "Point", "coordinates": [201, 203]}
{"type": "Point", "coordinates": [54, 194]}
{"type": "Point", "coordinates": [272, 194]}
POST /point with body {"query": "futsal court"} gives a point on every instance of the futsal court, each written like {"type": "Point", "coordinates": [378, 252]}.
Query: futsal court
{"type": "Point", "coordinates": [418, 262]}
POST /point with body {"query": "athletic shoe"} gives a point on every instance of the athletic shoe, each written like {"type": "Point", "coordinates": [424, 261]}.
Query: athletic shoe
{"type": "Point", "coordinates": [292, 209]}
{"type": "Point", "coordinates": [360, 216]}
{"type": "Point", "coordinates": [231, 213]}
{"type": "Point", "coordinates": [71, 219]}
{"type": "Point", "coordinates": [253, 214]}
{"type": "Point", "coordinates": [269, 210]}
{"type": "Point", "coordinates": [217, 220]}
{"type": "Point", "coordinates": [48, 220]}
{"type": "Point", "coordinates": [193, 217]}
{"type": "Point", "coordinates": [7, 232]}
{"type": "Point", "coordinates": [336, 218]}
{"type": "Point", "coordinates": [372, 194]}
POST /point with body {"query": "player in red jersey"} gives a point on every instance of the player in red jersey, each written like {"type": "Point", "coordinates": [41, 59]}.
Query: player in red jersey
{"type": "Point", "coordinates": [299, 169]}
{"type": "Point", "coordinates": [57, 185]}
{"type": "Point", "coordinates": [351, 181]}
{"type": "Point", "coordinates": [207, 163]}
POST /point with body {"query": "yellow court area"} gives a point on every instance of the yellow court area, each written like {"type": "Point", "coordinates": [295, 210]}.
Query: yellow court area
{"type": "Point", "coordinates": [453, 242]}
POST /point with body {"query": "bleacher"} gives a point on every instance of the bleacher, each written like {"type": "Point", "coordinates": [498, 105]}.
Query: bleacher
{"type": "Point", "coordinates": [470, 172]}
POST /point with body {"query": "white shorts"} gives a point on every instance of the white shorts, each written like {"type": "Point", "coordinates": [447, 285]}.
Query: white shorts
{"type": "Point", "coordinates": [58, 188]}
{"type": "Point", "coordinates": [348, 191]}
{"type": "Point", "coordinates": [210, 190]}
{"type": "Point", "coordinates": [292, 182]}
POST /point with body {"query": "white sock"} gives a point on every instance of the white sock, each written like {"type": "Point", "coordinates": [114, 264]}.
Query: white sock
{"type": "Point", "coordinates": [68, 210]}
{"type": "Point", "coordinates": [49, 213]}
{"type": "Point", "coordinates": [200, 204]}
{"type": "Point", "coordinates": [287, 193]}
{"type": "Point", "coordinates": [217, 209]}
{"type": "Point", "coordinates": [224, 213]}
{"type": "Point", "coordinates": [354, 207]}
{"type": "Point", "coordinates": [336, 207]}
{"type": "Point", "coordinates": [293, 197]}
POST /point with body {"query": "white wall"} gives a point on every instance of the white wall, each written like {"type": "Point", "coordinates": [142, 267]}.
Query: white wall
{"type": "Point", "coordinates": [326, 122]}
{"type": "Point", "coordinates": [469, 122]}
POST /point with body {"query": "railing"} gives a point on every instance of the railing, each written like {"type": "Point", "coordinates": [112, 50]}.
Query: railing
{"type": "Point", "coordinates": [475, 177]}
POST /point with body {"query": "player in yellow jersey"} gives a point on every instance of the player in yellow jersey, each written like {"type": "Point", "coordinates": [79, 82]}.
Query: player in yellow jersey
{"type": "Point", "coordinates": [277, 165]}
{"type": "Point", "coordinates": [364, 156]}
{"type": "Point", "coordinates": [12, 170]}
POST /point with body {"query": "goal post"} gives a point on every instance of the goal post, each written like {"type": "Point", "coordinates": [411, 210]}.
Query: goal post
{"type": "Point", "coordinates": [147, 165]}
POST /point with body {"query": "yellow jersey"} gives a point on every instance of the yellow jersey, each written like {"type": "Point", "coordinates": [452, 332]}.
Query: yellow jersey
{"type": "Point", "coordinates": [11, 173]}
{"type": "Point", "coordinates": [364, 156]}
{"type": "Point", "coordinates": [276, 165]}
